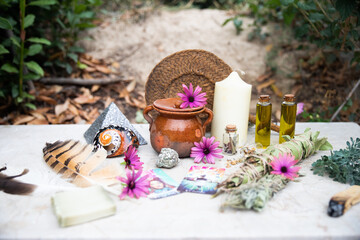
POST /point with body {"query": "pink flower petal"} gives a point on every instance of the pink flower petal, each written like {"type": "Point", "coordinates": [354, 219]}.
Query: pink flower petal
{"type": "Point", "coordinates": [184, 105]}
{"type": "Point", "coordinates": [191, 89]}
{"type": "Point", "coordinates": [198, 159]}
{"type": "Point", "coordinates": [123, 195]}
{"type": "Point", "coordinates": [300, 108]}
{"type": "Point", "coordinates": [197, 90]}
{"type": "Point", "coordinates": [284, 166]}
{"type": "Point", "coordinates": [210, 159]}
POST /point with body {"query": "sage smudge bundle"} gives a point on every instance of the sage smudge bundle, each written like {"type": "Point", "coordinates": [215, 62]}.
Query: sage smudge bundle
{"type": "Point", "coordinates": [255, 195]}
{"type": "Point", "coordinates": [251, 187]}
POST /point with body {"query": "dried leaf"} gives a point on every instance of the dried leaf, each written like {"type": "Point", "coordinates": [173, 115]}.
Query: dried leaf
{"type": "Point", "coordinates": [60, 108]}
{"type": "Point", "coordinates": [86, 61]}
{"type": "Point", "coordinates": [85, 91]}
{"type": "Point", "coordinates": [265, 84]}
{"type": "Point", "coordinates": [38, 122]}
{"type": "Point", "coordinates": [79, 120]}
{"type": "Point", "coordinates": [37, 115]}
{"type": "Point", "coordinates": [56, 88]}
{"type": "Point", "coordinates": [276, 90]}
{"type": "Point", "coordinates": [264, 77]}
{"type": "Point", "coordinates": [51, 118]}
{"type": "Point", "coordinates": [23, 119]}
{"type": "Point", "coordinates": [68, 116]}
{"type": "Point", "coordinates": [103, 69]}
{"type": "Point", "coordinates": [46, 99]}
{"type": "Point", "coordinates": [42, 110]}
{"type": "Point", "coordinates": [94, 88]}
{"type": "Point", "coordinates": [85, 75]}
{"type": "Point", "coordinates": [73, 109]}
{"type": "Point", "coordinates": [86, 99]}
{"type": "Point", "coordinates": [131, 86]}
{"type": "Point", "coordinates": [108, 101]}
{"type": "Point", "coordinates": [138, 103]}
{"type": "Point", "coordinates": [123, 93]}
{"type": "Point", "coordinates": [90, 69]}
{"type": "Point", "coordinates": [78, 106]}
{"type": "Point", "coordinates": [84, 115]}
{"type": "Point", "coordinates": [94, 113]}
{"type": "Point", "coordinates": [115, 65]}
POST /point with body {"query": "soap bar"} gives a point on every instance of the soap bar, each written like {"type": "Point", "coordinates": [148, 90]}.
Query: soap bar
{"type": "Point", "coordinates": [83, 205]}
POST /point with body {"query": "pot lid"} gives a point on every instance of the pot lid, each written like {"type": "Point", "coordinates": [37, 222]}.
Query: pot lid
{"type": "Point", "coordinates": [173, 105]}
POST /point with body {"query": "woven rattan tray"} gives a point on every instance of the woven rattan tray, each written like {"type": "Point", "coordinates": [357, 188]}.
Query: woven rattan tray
{"type": "Point", "coordinates": [198, 67]}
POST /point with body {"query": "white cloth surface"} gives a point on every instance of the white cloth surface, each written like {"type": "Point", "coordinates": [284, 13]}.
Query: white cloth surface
{"type": "Point", "coordinates": [299, 211]}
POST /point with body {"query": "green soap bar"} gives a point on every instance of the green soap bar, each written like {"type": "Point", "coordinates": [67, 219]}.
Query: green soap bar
{"type": "Point", "coordinates": [83, 205]}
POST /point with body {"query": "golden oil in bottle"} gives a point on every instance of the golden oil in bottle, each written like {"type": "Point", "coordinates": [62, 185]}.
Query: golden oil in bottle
{"type": "Point", "coordinates": [263, 121]}
{"type": "Point", "coordinates": [288, 117]}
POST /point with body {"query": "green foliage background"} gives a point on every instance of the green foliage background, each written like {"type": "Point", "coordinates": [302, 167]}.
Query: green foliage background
{"type": "Point", "coordinates": [37, 34]}
{"type": "Point", "coordinates": [331, 25]}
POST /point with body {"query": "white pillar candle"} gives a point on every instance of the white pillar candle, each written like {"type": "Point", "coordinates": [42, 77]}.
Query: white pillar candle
{"type": "Point", "coordinates": [231, 106]}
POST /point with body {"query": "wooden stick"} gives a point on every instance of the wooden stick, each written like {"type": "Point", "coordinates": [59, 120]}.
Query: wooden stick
{"type": "Point", "coordinates": [83, 82]}
{"type": "Point", "coordinates": [342, 201]}
{"type": "Point", "coordinates": [274, 127]}
{"type": "Point", "coordinates": [347, 99]}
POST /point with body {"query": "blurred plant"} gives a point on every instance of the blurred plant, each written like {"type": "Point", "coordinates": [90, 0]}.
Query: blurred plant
{"type": "Point", "coordinates": [349, 110]}
{"type": "Point", "coordinates": [17, 51]}
{"type": "Point", "coordinates": [25, 48]}
{"type": "Point", "coordinates": [237, 24]}
{"type": "Point", "coordinates": [317, 116]}
{"type": "Point", "coordinates": [67, 21]}
{"type": "Point", "coordinates": [221, 4]}
{"type": "Point", "coordinates": [328, 24]}
{"type": "Point", "coordinates": [342, 165]}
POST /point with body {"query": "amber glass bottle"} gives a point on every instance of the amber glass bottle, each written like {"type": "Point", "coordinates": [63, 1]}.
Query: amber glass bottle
{"type": "Point", "coordinates": [288, 117]}
{"type": "Point", "coordinates": [263, 121]}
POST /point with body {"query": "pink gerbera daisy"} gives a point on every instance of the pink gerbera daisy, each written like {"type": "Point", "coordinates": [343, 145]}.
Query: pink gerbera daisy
{"type": "Point", "coordinates": [207, 148]}
{"type": "Point", "coordinates": [132, 160]}
{"type": "Point", "coordinates": [300, 108]}
{"type": "Point", "coordinates": [135, 185]}
{"type": "Point", "coordinates": [284, 165]}
{"type": "Point", "coordinates": [192, 98]}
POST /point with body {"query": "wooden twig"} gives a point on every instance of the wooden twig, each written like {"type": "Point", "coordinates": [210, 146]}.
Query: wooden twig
{"type": "Point", "coordinates": [274, 127]}
{"type": "Point", "coordinates": [347, 99]}
{"type": "Point", "coordinates": [83, 82]}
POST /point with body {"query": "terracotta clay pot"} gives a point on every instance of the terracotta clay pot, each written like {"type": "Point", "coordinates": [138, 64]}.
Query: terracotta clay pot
{"type": "Point", "coordinates": [174, 127]}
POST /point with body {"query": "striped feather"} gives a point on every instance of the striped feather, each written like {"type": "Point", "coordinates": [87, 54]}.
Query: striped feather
{"type": "Point", "coordinates": [76, 161]}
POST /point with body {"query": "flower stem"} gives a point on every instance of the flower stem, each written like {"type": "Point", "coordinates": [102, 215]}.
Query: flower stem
{"type": "Point", "coordinates": [22, 37]}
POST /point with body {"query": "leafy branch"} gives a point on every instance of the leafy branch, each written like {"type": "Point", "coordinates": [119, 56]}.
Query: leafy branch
{"type": "Point", "coordinates": [342, 165]}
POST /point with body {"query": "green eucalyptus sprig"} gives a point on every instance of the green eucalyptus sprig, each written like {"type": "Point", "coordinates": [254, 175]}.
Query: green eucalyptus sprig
{"type": "Point", "coordinates": [342, 165]}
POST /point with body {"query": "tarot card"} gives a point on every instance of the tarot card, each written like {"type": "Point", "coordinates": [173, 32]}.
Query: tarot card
{"type": "Point", "coordinates": [201, 180]}
{"type": "Point", "coordinates": [161, 184]}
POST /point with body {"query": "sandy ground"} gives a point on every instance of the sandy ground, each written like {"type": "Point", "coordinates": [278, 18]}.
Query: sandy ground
{"type": "Point", "coordinates": [140, 46]}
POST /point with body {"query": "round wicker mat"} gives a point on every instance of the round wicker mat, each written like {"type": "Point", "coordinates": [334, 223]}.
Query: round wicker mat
{"type": "Point", "coordinates": [198, 67]}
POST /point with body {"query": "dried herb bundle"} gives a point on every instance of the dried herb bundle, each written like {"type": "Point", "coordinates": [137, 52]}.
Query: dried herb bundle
{"type": "Point", "coordinates": [342, 165]}
{"type": "Point", "coordinates": [257, 165]}
{"type": "Point", "coordinates": [255, 195]}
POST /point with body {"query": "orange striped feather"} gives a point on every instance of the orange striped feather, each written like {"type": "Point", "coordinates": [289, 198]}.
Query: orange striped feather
{"type": "Point", "coordinates": [76, 161]}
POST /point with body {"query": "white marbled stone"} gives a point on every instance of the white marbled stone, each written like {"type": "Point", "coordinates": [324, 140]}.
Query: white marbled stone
{"type": "Point", "coordinates": [299, 211]}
